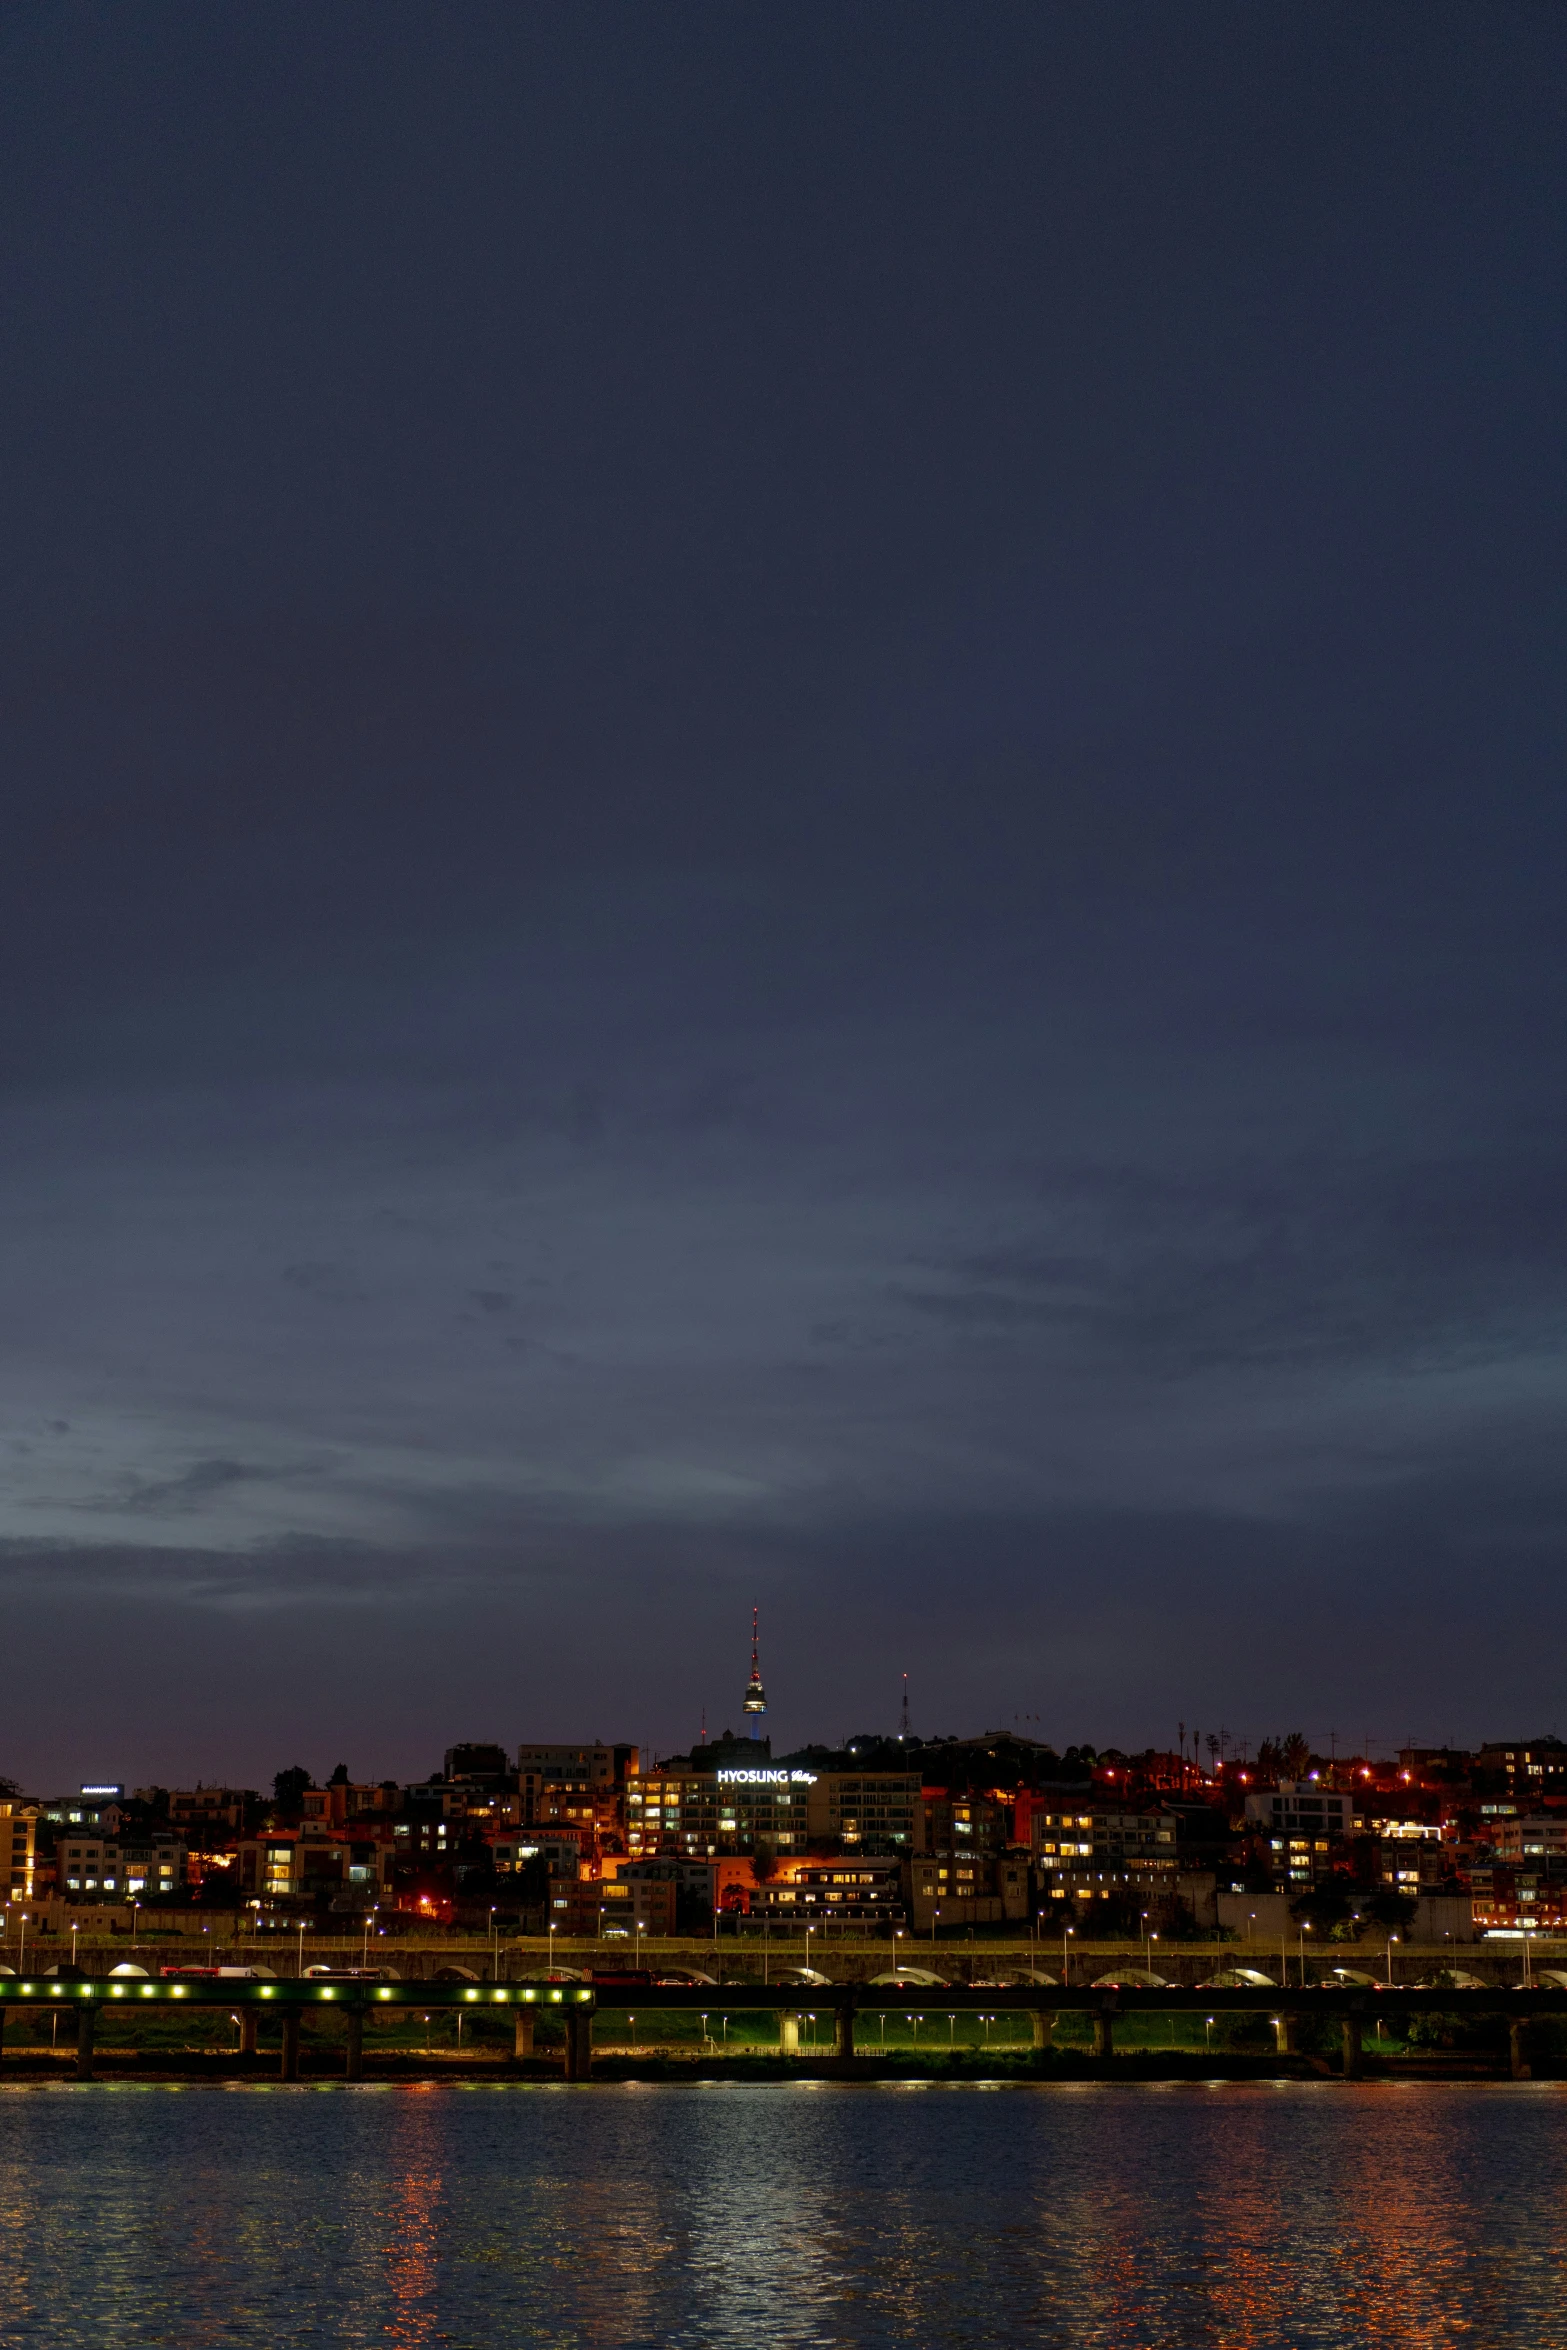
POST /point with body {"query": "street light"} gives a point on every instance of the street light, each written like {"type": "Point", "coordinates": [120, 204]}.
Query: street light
{"type": "Point", "coordinates": [1392, 1938]}
{"type": "Point", "coordinates": [1066, 1956]}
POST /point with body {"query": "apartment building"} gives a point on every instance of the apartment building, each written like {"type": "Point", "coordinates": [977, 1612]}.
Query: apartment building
{"type": "Point", "coordinates": [19, 1872]}
{"type": "Point", "coordinates": [1304, 1826]}
{"type": "Point", "coordinates": [789, 1808]}
{"type": "Point", "coordinates": [626, 1906]}
{"type": "Point", "coordinates": [967, 1889]}
{"type": "Point", "coordinates": [310, 1862]}
{"type": "Point", "coordinates": [1527, 1770]}
{"type": "Point", "coordinates": [573, 1784]}
{"type": "Point", "coordinates": [201, 1807]}
{"type": "Point", "coordinates": [88, 1868]}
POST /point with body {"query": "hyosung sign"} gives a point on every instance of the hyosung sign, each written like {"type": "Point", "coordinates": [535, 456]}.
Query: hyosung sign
{"type": "Point", "coordinates": [767, 1778]}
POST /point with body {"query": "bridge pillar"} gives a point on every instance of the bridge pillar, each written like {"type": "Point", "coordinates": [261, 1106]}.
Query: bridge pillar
{"type": "Point", "coordinates": [1104, 2032]}
{"type": "Point", "coordinates": [290, 2070]}
{"type": "Point", "coordinates": [579, 2044]}
{"type": "Point", "coordinates": [1518, 2063]}
{"type": "Point", "coordinates": [86, 2035]}
{"type": "Point", "coordinates": [1284, 2035]}
{"type": "Point", "coordinates": [1351, 2030]}
{"type": "Point", "coordinates": [2, 2031]}
{"type": "Point", "coordinates": [843, 2031]}
{"type": "Point", "coordinates": [354, 2020]}
{"type": "Point", "coordinates": [1042, 2022]}
{"type": "Point", "coordinates": [248, 2020]}
{"type": "Point", "coordinates": [788, 2035]}
{"type": "Point", "coordinates": [522, 2044]}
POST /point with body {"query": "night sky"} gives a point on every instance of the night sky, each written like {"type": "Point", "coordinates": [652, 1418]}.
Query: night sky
{"type": "Point", "coordinates": [782, 820]}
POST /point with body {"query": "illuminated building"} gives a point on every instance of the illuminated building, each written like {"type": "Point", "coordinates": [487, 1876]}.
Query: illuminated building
{"type": "Point", "coordinates": [1306, 1827]}
{"type": "Point", "coordinates": [1525, 1899]}
{"type": "Point", "coordinates": [302, 1864]}
{"type": "Point", "coordinates": [875, 1811]}
{"type": "Point", "coordinates": [968, 1889]}
{"type": "Point", "coordinates": [614, 1906]}
{"type": "Point", "coordinates": [87, 1867]}
{"type": "Point", "coordinates": [18, 1850]}
{"type": "Point", "coordinates": [734, 1805]}
{"type": "Point", "coordinates": [578, 1785]}
{"type": "Point", "coordinates": [722, 1810]}
{"type": "Point", "coordinates": [829, 1892]}
{"type": "Point", "coordinates": [1525, 1771]}
{"type": "Point", "coordinates": [1082, 1839]}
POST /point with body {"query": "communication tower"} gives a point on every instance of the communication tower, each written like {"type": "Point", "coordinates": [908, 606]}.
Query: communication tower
{"type": "Point", "coordinates": [755, 1695]}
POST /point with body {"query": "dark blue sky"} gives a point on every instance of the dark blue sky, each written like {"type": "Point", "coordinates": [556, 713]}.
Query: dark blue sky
{"type": "Point", "coordinates": [783, 814]}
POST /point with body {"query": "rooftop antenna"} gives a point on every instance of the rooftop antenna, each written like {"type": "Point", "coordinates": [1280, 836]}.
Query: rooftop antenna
{"type": "Point", "coordinates": [903, 1718]}
{"type": "Point", "coordinates": [704, 1725]}
{"type": "Point", "coordinates": [755, 1703]}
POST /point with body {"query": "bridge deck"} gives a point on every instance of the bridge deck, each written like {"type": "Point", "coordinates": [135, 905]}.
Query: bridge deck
{"type": "Point", "coordinates": [788, 1998]}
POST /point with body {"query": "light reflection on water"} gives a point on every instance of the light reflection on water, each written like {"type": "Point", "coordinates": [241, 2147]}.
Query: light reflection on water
{"type": "Point", "coordinates": [718, 2217]}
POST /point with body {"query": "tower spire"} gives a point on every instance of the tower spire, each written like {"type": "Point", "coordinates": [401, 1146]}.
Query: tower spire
{"type": "Point", "coordinates": [755, 1695]}
{"type": "Point", "coordinates": [903, 1718]}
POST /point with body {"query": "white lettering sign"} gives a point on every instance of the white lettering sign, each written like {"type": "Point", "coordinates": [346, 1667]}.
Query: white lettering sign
{"type": "Point", "coordinates": [767, 1778]}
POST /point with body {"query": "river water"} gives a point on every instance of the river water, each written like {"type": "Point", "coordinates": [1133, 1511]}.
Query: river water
{"type": "Point", "coordinates": [732, 2215]}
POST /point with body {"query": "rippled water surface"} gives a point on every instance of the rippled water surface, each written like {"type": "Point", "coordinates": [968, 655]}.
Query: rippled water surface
{"type": "Point", "coordinates": [756, 2214]}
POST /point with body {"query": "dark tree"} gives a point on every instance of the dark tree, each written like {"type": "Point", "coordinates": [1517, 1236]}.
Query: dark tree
{"type": "Point", "coordinates": [1324, 1907]}
{"type": "Point", "coordinates": [288, 1790]}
